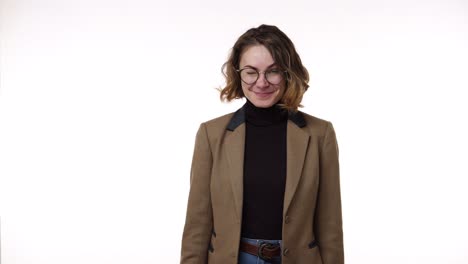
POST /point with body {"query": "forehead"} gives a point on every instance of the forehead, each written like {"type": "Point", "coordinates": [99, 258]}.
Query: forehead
{"type": "Point", "coordinates": [256, 56]}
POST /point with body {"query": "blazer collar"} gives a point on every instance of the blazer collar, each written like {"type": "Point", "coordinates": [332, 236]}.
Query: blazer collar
{"type": "Point", "coordinates": [239, 117]}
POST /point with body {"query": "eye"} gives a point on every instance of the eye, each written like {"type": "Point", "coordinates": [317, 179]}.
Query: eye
{"type": "Point", "coordinates": [274, 71]}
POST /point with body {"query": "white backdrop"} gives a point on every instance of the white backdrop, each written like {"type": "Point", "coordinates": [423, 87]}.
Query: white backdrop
{"type": "Point", "coordinates": [100, 102]}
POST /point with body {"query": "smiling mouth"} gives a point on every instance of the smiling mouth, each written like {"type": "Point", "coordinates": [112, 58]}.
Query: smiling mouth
{"type": "Point", "coordinates": [264, 93]}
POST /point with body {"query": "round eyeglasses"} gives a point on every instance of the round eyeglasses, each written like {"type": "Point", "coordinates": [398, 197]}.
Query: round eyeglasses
{"type": "Point", "coordinates": [250, 75]}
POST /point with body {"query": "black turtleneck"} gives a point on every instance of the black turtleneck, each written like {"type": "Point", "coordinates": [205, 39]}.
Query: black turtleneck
{"type": "Point", "coordinates": [264, 171]}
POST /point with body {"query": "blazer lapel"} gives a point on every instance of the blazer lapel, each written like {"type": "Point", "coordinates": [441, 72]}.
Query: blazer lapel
{"type": "Point", "coordinates": [234, 151]}
{"type": "Point", "coordinates": [297, 142]}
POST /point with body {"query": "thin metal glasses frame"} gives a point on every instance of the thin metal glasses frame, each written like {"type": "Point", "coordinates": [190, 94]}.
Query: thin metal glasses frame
{"type": "Point", "coordinates": [258, 74]}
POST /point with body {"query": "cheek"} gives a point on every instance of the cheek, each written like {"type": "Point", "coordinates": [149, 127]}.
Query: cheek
{"type": "Point", "coordinates": [245, 88]}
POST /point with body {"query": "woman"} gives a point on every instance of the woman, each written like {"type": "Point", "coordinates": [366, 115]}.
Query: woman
{"type": "Point", "coordinates": [264, 185]}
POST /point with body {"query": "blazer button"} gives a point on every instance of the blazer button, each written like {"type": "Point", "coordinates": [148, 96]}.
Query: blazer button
{"type": "Point", "coordinates": [285, 252]}
{"type": "Point", "coordinates": [287, 220]}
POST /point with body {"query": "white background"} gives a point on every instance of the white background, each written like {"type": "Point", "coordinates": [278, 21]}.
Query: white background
{"type": "Point", "coordinates": [100, 102]}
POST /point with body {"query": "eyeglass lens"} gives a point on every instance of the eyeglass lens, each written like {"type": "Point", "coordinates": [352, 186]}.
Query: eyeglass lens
{"type": "Point", "coordinates": [250, 76]}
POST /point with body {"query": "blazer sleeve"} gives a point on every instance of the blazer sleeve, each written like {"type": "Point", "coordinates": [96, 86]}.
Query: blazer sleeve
{"type": "Point", "coordinates": [199, 219]}
{"type": "Point", "coordinates": [328, 220]}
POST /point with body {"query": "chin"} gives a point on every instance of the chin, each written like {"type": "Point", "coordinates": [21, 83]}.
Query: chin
{"type": "Point", "coordinates": [263, 103]}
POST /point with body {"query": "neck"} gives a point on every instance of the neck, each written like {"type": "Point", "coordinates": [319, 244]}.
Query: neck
{"type": "Point", "coordinates": [264, 116]}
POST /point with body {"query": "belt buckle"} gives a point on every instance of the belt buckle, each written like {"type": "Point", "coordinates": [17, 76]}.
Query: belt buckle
{"type": "Point", "coordinates": [260, 250]}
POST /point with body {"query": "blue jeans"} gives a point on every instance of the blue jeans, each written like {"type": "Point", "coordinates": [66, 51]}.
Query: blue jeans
{"type": "Point", "coordinates": [246, 258]}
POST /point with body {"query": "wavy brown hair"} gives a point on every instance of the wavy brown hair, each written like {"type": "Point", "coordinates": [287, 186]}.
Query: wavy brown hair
{"type": "Point", "coordinates": [284, 54]}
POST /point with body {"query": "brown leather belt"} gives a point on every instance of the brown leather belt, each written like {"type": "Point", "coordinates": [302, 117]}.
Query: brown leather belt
{"type": "Point", "coordinates": [265, 251]}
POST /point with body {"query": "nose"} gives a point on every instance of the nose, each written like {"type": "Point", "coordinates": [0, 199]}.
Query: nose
{"type": "Point", "coordinates": [262, 81]}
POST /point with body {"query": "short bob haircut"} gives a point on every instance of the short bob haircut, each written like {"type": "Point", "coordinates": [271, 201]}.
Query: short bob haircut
{"type": "Point", "coordinates": [285, 56]}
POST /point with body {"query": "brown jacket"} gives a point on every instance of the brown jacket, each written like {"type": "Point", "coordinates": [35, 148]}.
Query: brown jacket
{"type": "Point", "coordinates": [312, 224]}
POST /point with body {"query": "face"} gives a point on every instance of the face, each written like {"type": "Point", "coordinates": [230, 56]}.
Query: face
{"type": "Point", "coordinates": [261, 93]}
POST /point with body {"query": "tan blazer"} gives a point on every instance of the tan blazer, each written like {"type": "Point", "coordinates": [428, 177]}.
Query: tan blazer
{"type": "Point", "coordinates": [312, 224]}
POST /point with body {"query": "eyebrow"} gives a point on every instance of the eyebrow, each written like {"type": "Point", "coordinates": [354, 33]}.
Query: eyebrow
{"type": "Point", "coordinates": [250, 66]}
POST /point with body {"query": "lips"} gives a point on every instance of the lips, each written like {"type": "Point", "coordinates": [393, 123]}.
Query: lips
{"type": "Point", "coordinates": [263, 94]}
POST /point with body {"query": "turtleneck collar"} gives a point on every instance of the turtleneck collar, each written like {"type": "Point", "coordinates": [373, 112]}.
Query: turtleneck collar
{"type": "Point", "coordinates": [264, 116]}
